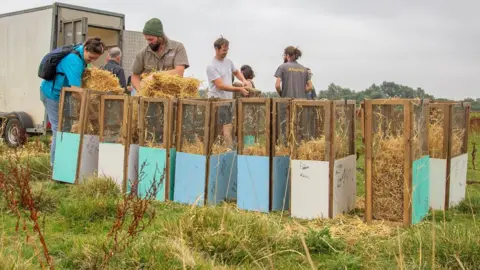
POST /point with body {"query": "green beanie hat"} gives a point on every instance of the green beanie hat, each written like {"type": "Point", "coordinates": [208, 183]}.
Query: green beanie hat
{"type": "Point", "coordinates": [153, 27]}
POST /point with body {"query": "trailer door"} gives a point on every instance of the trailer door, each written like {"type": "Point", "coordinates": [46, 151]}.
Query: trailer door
{"type": "Point", "coordinates": [74, 31]}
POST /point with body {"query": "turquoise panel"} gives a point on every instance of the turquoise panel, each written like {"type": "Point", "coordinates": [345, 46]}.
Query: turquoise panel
{"type": "Point", "coordinates": [248, 140]}
{"type": "Point", "coordinates": [253, 183]}
{"type": "Point", "coordinates": [152, 164]}
{"type": "Point", "coordinates": [190, 172]}
{"type": "Point", "coordinates": [173, 157]}
{"type": "Point", "coordinates": [281, 185]}
{"type": "Point", "coordinates": [222, 177]}
{"type": "Point", "coordinates": [65, 164]}
{"type": "Point", "coordinates": [421, 189]}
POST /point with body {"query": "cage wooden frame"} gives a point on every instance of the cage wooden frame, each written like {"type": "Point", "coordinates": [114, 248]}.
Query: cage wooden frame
{"type": "Point", "coordinates": [168, 131]}
{"type": "Point", "coordinates": [241, 102]}
{"type": "Point", "coordinates": [83, 94]}
{"type": "Point", "coordinates": [447, 108]}
{"type": "Point", "coordinates": [408, 118]}
{"type": "Point", "coordinates": [211, 105]}
{"type": "Point", "coordinates": [329, 131]}
{"type": "Point", "coordinates": [274, 112]}
{"type": "Point", "coordinates": [126, 135]}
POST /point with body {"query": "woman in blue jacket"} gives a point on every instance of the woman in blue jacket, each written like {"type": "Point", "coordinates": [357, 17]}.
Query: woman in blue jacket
{"type": "Point", "coordinates": [70, 70]}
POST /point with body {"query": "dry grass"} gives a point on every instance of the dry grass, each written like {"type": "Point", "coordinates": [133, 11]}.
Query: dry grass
{"type": "Point", "coordinates": [101, 80]}
{"type": "Point", "coordinates": [388, 177]}
{"type": "Point", "coordinates": [312, 150]}
{"type": "Point", "coordinates": [256, 149]}
{"type": "Point", "coordinates": [197, 147]}
{"type": "Point", "coordinates": [282, 150]}
{"type": "Point", "coordinates": [436, 134]}
{"type": "Point", "coordinates": [162, 85]}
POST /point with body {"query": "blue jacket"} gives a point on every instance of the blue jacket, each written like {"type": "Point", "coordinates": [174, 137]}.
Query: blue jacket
{"type": "Point", "coordinates": [73, 68]}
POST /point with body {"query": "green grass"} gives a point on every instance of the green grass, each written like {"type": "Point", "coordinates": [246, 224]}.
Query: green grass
{"type": "Point", "coordinates": [76, 219]}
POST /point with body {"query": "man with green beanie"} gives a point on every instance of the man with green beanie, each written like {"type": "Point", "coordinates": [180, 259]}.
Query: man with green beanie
{"type": "Point", "coordinates": [161, 54]}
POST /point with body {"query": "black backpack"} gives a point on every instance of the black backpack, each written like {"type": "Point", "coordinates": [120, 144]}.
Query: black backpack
{"type": "Point", "coordinates": [48, 66]}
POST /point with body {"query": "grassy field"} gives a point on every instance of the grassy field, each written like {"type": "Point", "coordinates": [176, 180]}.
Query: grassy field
{"type": "Point", "coordinates": [75, 221]}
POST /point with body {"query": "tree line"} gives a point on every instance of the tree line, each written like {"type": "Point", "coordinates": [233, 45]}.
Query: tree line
{"type": "Point", "coordinates": [384, 90]}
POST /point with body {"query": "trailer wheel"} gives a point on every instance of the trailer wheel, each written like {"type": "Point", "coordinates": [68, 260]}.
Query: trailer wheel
{"type": "Point", "coordinates": [12, 132]}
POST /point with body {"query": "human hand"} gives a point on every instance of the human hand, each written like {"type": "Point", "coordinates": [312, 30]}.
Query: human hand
{"type": "Point", "coordinates": [244, 91]}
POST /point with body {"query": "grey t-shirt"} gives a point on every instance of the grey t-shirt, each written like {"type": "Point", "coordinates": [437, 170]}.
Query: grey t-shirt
{"type": "Point", "coordinates": [294, 79]}
{"type": "Point", "coordinates": [220, 69]}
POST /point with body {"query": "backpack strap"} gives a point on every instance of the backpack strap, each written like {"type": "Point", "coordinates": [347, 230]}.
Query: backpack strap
{"type": "Point", "coordinates": [77, 53]}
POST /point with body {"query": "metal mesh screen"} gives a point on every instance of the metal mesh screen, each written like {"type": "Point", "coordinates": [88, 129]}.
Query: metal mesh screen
{"type": "Point", "coordinates": [344, 144]}
{"type": "Point", "coordinates": [459, 124]}
{"type": "Point", "coordinates": [282, 128]}
{"type": "Point", "coordinates": [436, 133]}
{"type": "Point", "coordinates": [419, 132]}
{"type": "Point", "coordinates": [92, 119]}
{"type": "Point", "coordinates": [311, 139]}
{"type": "Point", "coordinates": [154, 124]}
{"type": "Point", "coordinates": [114, 130]}
{"type": "Point", "coordinates": [71, 112]}
{"type": "Point", "coordinates": [255, 129]}
{"type": "Point", "coordinates": [222, 127]}
{"type": "Point", "coordinates": [194, 119]}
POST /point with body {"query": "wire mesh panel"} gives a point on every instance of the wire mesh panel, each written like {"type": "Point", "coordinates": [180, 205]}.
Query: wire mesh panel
{"type": "Point", "coordinates": [114, 148]}
{"type": "Point", "coordinates": [69, 137]}
{"type": "Point", "coordinates": [222, 135]}
{"type": "Point", "coordinates": [193, 119]}
{"type": "Point", "coordinates": [113, 127]}
{"type": "Point", "coordinates": [71, 105]}
{"type": "Point", "coordinates": [397, 161]}
{"type": "Point", "coordinates": [280, 126]}
{"type": "Point", "coordinates": [154, 124]}
{"type": "Point", "coordinates": [343, 172]}
{"type": "Point", "coordinates": [192, 127]}
{"type": "Point", "coordinates": [310, 123]}
{"type": "Point", "coordinates": [254, 126]}
{"type": "Point", "coordinates": [459, 130]}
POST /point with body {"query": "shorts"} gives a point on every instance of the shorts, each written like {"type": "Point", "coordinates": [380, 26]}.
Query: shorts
{"type": "Point", "coordinates": [225, 115]}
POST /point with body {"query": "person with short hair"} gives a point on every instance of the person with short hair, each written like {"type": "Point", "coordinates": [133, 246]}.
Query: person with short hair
{"type": "Point", "coordinates": [161, 54]}
{"type": "Point", "coordinates": [69, 72]}
{"type": "Point", "coordinates": [293, 80]}
{"type": "Point", "coordinates": [219, 74]}
{"type": "Point", "coordinates": [248, 73]}
{"type": "Point", "coordinates": [113, 65]}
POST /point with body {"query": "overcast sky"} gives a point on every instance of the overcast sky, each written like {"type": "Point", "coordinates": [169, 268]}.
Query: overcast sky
{"type": "Point", "coordinates": [432, 44]}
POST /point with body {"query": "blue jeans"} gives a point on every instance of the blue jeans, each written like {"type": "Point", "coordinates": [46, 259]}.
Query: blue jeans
{"type": "Point", "coordinates": [51, 107]}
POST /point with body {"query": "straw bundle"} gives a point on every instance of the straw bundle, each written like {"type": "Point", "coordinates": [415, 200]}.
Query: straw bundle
{"type": "Point", "coordinates": [312, 150]}
{"type": "Point", "coordinates": [163, 85]}
{"type": "Point", "coordinates": [282, 150]}
{"type": "Point", "coordinates": [458, 135]}
{"type": "Point", "coordinates": [101, 80]}
{"type": "Point", "coordinates": [252, 92]}
{"type": "Point", "coordinates": [255, 150]}
{"type": "Point", "coordinates": [196, 147]}
{"type": "Point", "coordinates": [436, 134]}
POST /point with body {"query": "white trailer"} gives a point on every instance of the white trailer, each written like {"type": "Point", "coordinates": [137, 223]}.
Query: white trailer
{"type": "Point", "coordinates": [26, 37]}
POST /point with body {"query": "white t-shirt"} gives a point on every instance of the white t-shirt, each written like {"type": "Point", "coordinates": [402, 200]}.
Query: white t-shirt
{"type": "Point", "coordinates": [220, 69]}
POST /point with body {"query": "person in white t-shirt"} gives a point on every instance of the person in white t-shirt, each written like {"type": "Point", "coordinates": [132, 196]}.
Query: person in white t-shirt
{"type": "Point", "coordinates": [219, 75]}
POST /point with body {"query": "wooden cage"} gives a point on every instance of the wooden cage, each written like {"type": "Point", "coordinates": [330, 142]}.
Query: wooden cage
{"type": "Point", "coordinates": [156, 155]}
{"type": "Point", "coordinates": [448, 150]}
{"type": "Point", "coordinates": [205, 160]}
{"type": "Point", "coordinates": [396, 160]}
{"type": "Point", "coordinates": [118, 149]}
{"type": "Point", "coordinates": [77, 138]}
{"type": "Point", "coordinates": [323, 166]}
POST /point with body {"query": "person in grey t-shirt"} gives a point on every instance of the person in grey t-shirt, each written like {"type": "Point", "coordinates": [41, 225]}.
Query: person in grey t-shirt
{"type": "Point", "coordinates": [293, 79]}
{"type": "Point", "coordinates": [219, 74]}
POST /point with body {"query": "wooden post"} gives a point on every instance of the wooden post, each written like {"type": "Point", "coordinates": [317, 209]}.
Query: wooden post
{"type": "Point", "coordinates": [368, 136]}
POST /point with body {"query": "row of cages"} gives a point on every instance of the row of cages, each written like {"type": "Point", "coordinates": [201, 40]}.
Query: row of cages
{"type": "Point", "coordinates": [268, 154]}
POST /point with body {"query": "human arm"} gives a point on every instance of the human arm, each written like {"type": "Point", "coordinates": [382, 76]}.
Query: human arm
{"type": "Point", "coordinates": [138, 68]}
{"type": "Point", "coordinates": [136, 81]}
{"type": "Point", "coordinates": [278, 83]}
{"type": "Point", "coordinates": [213, 75]}
{"type": "Point", "coordinates": [308, 86]}
{"type": "Point", "coordinates": [180, 62]}
{"type": "Point", "coordinates": [240, 77]}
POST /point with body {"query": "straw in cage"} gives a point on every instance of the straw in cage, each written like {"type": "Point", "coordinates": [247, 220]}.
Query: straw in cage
{"type": "Point", "coordinates": [312, 143]}
{"type": "Point", "coordinates": [436, 133]}
{"type": "Point", "coordinates": [153, 122]}
{"type": "Point", "coordinates": [101, 80]}
{"type": "Point", "coordinates": [458, 131]}
{"type": "Point", "coordinates": [162, 85]}
{"type": "Point", "coordinates": [195, 146]}
{"type": "Point", "coordinates": [221, 145]}
{"type": "Point", "coordinates": [342, 141]}
{"type": "Point", "coordinates": [254, 130]}
{"type": "Point", "coordinates": [387, 169]}
{"type": "Point", "coordinates": [282, 147]}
